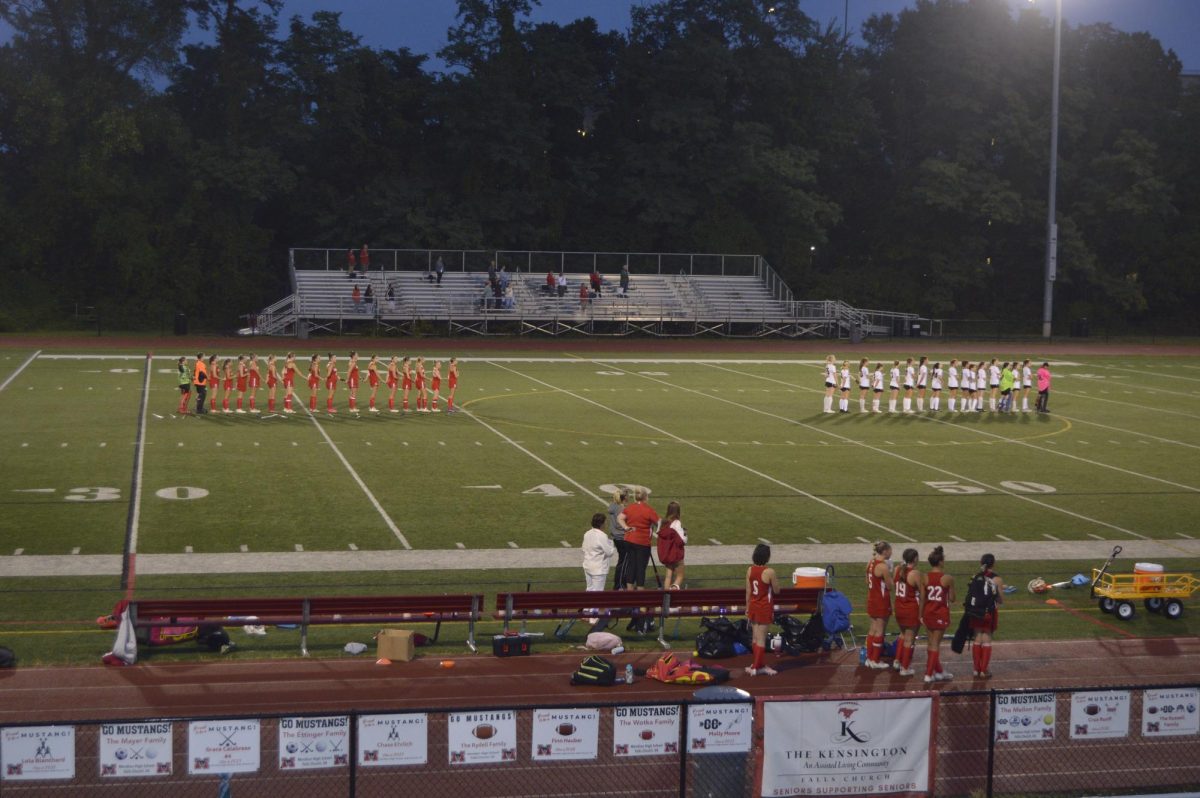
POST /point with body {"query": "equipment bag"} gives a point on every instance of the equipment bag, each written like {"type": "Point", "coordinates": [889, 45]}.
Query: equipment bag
{"type": "Point", "coordinates": [835, 612]}
{"type": "Point", "coordinates": [670, 669]}
{"type": "Point", "coordinates": [596, 671]}
{"type": "Point", "coordinates": [721, 638]}
{"type": "Point", "coordinates": [7, 658]}
{"type": "Point", "coordinates": [800, 637]}
{"type": "Point", "coordinates": [981, 596]}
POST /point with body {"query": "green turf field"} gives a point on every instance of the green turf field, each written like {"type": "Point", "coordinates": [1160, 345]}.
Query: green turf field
{"type": "Point", "coordinates": [738, 440]}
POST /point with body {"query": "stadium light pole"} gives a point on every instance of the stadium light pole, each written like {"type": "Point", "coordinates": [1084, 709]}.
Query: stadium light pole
{"type": "Point", "coordinates": [1051, 226]}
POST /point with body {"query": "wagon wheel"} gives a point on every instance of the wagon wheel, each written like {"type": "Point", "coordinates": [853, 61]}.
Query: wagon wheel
{"type": "Point", "coordinates": [1107, 605]}
{"type": "Point", "coordinates": [1173, 609]}
{"type": "Point", "coordinates": [1125, 610]}
{"type": "Point", "coordinates": [1153, 604]}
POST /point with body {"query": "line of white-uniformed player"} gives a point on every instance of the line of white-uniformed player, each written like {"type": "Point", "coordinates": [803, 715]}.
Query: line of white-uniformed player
{"type": "Point", "coordinates": [969, 385]}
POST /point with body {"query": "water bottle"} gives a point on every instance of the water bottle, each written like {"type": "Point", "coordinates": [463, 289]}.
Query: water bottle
{"type": "Point", "coordinates": [629, 674]}
{"type": "Point", "coordinates": [776, 642]}
{"type": "Point", "coordinates": [862, 655]}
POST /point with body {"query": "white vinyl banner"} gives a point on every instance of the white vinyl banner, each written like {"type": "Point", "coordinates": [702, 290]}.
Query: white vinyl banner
{"type": "Point", "coordinates": [385, 740]}
{"type": "Point", "coordinates": [854, 746]}
{"type": "Point", "coordinates": [565, 734]}
{"type": "Point", "coordinates": [306, 743]}
{"type": "Point", "coordinates": [719, 728]}
{"type": "Point", "coordinates": [223, 746]}
{"type": "Point", "coordinates": [1100, 714]}
{"type": "Point", "coordinates": [136, 749]}
{"type": "Point", "coordinates": [1170, 712]}
{"type": "Point", "coordinates": [1021, 717]}
{"type": "Point", "coordinates": [488, 736]}
{"type": "Point", "coordinates": [645, 731]}
{"type": "Point", "coordinates": [33, 753]}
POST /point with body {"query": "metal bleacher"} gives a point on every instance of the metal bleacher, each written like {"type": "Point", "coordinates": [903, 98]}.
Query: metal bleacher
{"type": "Point", "coordinates": [669, 294]}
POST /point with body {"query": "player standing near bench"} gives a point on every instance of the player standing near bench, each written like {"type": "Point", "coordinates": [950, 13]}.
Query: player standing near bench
{"type": "Point", "coordinates": [937, 591]}
{"type": "Point", "coordinates": [907, 581]}
{"type": "Point", "coordinates": [761, 586]}
{"type": "Point", "coordinates": [185, 386]}
{"type": "Point", "coordinates": [879, 603]}
{"type": "Point", "coordinates": [985, 627]}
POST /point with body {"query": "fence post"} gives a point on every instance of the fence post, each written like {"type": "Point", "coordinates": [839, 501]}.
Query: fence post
{"type": "Point", "coordinates": [991, 765]}
{"type": "Point", "coordinates": [683, 751]}
{"type": "Point", "coordinates": [354, 753]}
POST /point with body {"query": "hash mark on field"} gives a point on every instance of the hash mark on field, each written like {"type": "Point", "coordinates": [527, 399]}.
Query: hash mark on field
{"type": "Point", "coordinates": [352, 546]}
{"type": "Point", "coordinates": [63, 446]}
{"type": "Point", "coordinates": [1118, 443]}
{"type": "Point", "coordinates": [715, 542]}
{"type": "Point", "coordinates": [889, 443]}
{"type": "Point", "coordinates": [513, 545]}
{"type": "Point", "coordinates": [654, 443]}
{"type": "Point", "coordinates": [256, 444]}
{"type": "Point", "coordinates": [619, 443]}
{"type": "Point", "coordinates": [368, 443]}
{"type": "Point", "coordinates": [764, 540]}
{"type": "Point", "coordinates": [1048, 536]}
{"type": "Point", "coordinates": [1096, 537]}
{"type": "Point", "coordinates": [103, 444]}
{"type": "Point", "coordinates": [459, 545]}
{"type": "Point", "coordinates": [814, 540]}
{"type": "Point", "coordinates": [823, 443]}
{"type": "Point", "coordinates": [404, 443]}
{"type": "Point", "coordinates": [864, 540]}
{"type": "Point", "coordinates": [179, 444]}
{"type": "Point", "coordinates": [299, 547]}
{"type": "Point", "coordinates": [757, 443]}
{"type": "Point", "coordinates": [244, 548]}
{"type": "Point", "coordinates": [1083, 443]}
{"type": "Point", "coordinates": [24, 445]}
{"type": "Point", "coordinates": [479, 443]}
{"type": "Point", "coordinates": [219, 443]}
{"type": "Point", "coordinates": [187, 550]}
{"type": "Point", "coordinates": [583, 443]}
{"type": "Point", "coordinates": [295, 444]}
{"type": "Point", "coordinates": [1005, 537]}
{"type": "Point", "coordinates": [548, 443]}
{"type": "Point", "coordinates": [565, 544]}
{"type": "Point", "coordinates": [18, 552]}
{"type": "Point", "coordinates": [75, 550]}
{"type": "Point", "coordinates": [1180, 534]}
{"type": "Point", "coordinates": [956, 537]}
{"type": "Point", "coordinates": [441, 443]}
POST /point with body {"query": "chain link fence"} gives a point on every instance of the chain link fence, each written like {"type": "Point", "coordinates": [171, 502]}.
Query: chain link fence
{"type": "Point", "coordinates": [1053, 741]}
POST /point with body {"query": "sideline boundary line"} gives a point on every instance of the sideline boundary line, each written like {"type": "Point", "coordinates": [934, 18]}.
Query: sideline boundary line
{"type": "Point", "coordinates": [20, 368]}
{"type": "Point", "coordinates": [387, 519]}
{"type": "Point", "coordinates": [900, 456]}
{"type": "Point", "coordinates": [709, 452]}
{"type": "Point", "coordinates": [129, 558]}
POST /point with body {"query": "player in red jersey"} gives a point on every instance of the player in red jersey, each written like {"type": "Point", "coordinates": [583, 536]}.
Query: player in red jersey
{"type": "Point", "coordinates": [243, 381]}
{"type": "Point", "coordinates": [452, 380]}
{"type": "Point", "coordinates": [393, 382]}
{"type": "Point", "coordinates": [406, 381]}
{"type": "Point", "coordinates": [435, 384]}
{"type": "Point", "coordinates": [226, 383]}
{"type": "Point", "coordinates": [331, 382]}
{"type": "Point", "coordinates": [422, 394]}
{"type": "Point", "coordinates": [879, 603]}
{"type": "Point", "coordinates": [937, 590]}
{"type": "Point", "coordinates": [254, 382]}
{"type": "Point", "coordinates": [290, 370]}
{"type": "Point", "coordinates": [272, 383]}
{"type": "Point", "coordinates": [372, 376]}
{"type": "Point", "coordinates": [352, 381]}
{"type": "Point", "coordinates": [314, 382]}
{"type": "Point", "coordinates": [761, 586]}
{"type": "Point", "coordinates": [214, 381]}
{"type": "Point", "coordinates": [907, 581]}
{"type": "Point", "coordinates": [985, 627]}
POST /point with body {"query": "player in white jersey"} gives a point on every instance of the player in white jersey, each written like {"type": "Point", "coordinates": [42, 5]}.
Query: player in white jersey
{"type": "Point", "coordinates": [864, 384]}
{"type": "Point", "coordinates": [1026, 384]}
{"type": "Point", "coordinates": [994, 383]}
{"type": "Point", "coordinates": [935, 384]}
{"type": "Point", "coordinates": [952, 383]}
{"type": "Point", "coordinates": [877, 387]}
{"type": "Point", "coordinates": [910, 376]}
{"type": "Point", "coordinates": [968, 386]}
{"type": "Point", "coordinates": [894, 384]}
{"type": "Point", "coordinates": [981, 386]}
{"type": "Point", "coordinates": [922, 381]}
{"type": "Point", "coordinates": [830, 383]}
{"type": "Point", "coordinates": [844, 374]}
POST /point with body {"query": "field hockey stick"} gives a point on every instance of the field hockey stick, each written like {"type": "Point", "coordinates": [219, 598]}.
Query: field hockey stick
{"type": "Point", "coordinates": [657, 578]}
{"type": "Point", "coordinates": [1103, 568]}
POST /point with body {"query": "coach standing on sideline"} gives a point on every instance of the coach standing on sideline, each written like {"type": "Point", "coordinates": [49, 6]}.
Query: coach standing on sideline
{"type": "Point", "coordinates": [200, 380]}
{"type": "Point", "coordinates": [640, 518]}
{"type": "Point", "coordinates": [1043, 386]}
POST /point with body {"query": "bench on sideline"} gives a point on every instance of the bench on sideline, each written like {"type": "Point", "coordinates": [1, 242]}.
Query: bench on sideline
{"type": "Point", "coordinates": [306, 612]}
{"type": "Point", "coordinates": [607, 605]}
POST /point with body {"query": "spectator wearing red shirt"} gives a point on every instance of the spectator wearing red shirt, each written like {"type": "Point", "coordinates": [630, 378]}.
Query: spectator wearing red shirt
{"type": "Point", "coordinates": [351, 263]}
{"type": "Point", "coordinates": [640, 519]}
{"type": "Point", "coordinates": [364, 258]}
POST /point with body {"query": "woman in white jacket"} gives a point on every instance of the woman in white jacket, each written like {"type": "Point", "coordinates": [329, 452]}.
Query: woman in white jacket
{"type": "Point", "coordinates": [598, 552]}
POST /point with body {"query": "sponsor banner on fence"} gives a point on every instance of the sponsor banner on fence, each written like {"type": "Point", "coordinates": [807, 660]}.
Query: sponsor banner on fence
{"type": "Point", "coordinates": [33, 753]}
{"type": "Point", "coordinates": [399, 739]}
{"type": "Point", "coordinates": [223, 746]}
{"type": "Point", "coordinates": [1021, 717]}
{"type": "Point", "coordinates": [1100, 714]}
{"type": "Point", "coordinates": [1170, 712]}
{"type": "Point", "coordinates": [565, 734]}
{"type": "Point", "coordinates": [645, 731]}
{"type": "Point", "coordinates": [306, 743]}
{"type": "Point", "coordinates": [851, 746]}
{"type": "Point", "coordinates": [489, 736]}
{"type": "Point", "coordinates": [719, 728]}
{"type": "Point", "coordinates": [136, 749]}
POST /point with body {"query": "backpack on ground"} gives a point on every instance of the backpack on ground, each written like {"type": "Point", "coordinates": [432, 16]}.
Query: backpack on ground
{"type": "Point", "coordinates": [801, 637]}
{"type": "Point", "coordinates": [671, 669]}
{"type": "Point", "coordinates": [981, 596]}
{"type": "Point", "coordinates": [7, 658]}
{"type": "Point", "coordinates": [721, 637]}
{"type": "Point", "coordinates": [835, 612]}
{"type": "Point", "coordinates": [595, 671]}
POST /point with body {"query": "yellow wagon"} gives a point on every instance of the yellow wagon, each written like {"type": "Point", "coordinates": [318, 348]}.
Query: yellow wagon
{"type": "Point", "coordinates": [1159, 592]}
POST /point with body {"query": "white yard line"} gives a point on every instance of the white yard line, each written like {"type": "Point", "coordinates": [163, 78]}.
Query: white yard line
{"type": "Point", "coordinates": [20, 368]}
{"type": "Point", "coordinates": [918, 462]}
{"type": "Point", "coordinates": [387, 519]}
{"type": "Point", "coordinates": [709, 452]}
{"type": "Point", "coordinates": [135, 499]}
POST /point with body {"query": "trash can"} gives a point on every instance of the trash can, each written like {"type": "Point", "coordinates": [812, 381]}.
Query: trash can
{"type": "Point", "coordinates": [856, 334]}
{"type": "Point", "coordinates": [717, 773]}
{"type": "Point", "coordinates": [900, 328]}
{"type": "Point", "coordinates": [181, 326]}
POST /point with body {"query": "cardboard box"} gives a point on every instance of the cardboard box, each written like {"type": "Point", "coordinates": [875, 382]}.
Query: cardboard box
{"type": "Point", "coordinates": [396, 645]}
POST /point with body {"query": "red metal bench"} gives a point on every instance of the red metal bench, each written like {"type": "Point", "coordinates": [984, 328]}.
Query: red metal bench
{"type": "Point", "coordinates": [305, 612]}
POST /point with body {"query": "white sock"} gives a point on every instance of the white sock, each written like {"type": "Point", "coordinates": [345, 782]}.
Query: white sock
{"type": "Point", "coordinates": [992, 404]}
{"type": "Point", "coordinates": [935, 402]}
{"type": "Point", "coordinates": [920, 403]}
{"type": "Point", "coordinates": [952, 400]}
{"type": "Point", "coordinates": [875, 406]}
{"type": "Point", "coordinates": [828, 403]}
{"type": "Point", "coordinates": [907, 405]}
{"type": "Point", "coordinates": [1025, 404]}
{"type": "Point", "coordinates": [862, 405]}
{"type": "Point", "coordinates": [843, 405]}
{"type": "Point", "coordinates": [891, 405]}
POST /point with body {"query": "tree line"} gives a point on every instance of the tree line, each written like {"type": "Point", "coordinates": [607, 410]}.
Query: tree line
{"type": "Point", "coordinates": [162, 155]}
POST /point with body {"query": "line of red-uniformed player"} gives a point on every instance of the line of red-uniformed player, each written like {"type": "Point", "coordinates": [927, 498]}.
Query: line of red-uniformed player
{"type": "Point", "coordinates": [231, 380]}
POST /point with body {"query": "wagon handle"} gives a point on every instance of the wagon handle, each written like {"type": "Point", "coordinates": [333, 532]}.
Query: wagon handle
{"type": "Point", "coordinates": [1103, 568]}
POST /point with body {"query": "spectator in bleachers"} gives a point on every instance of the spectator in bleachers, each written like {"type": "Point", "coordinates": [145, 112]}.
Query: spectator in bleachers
{"type": "Point", "coordinates": [439, 269]}
{"type": "Point", "coordinates": [492, 271]}
{"type": "Point", "coordinates": [584, 296]}
{"type": "Point", "coordinates": [624, 286]}
{"type": "Point", "coordinates": [429, 276]}
{"type": "Point", "coordinates": [391, 297]}
{"type": "Point", "coordinates": [550, 282]}
{"type": "Point", "coordinates": [597, 283]}
{"type": "Point", "coordinates": [502, 278]}
{"type": "Point", "coordinates": [561, 284]}
{"type": "Point", "coordinates": [356, 295]}
{"type": "Point", "coordinates": [364, 259]}
{"type": "Point", "coordinates": [351, 263]}
{"type": "Point", "coordinates": [510, 301]}
{"type": "Point", "coordinates": [368, 299]}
